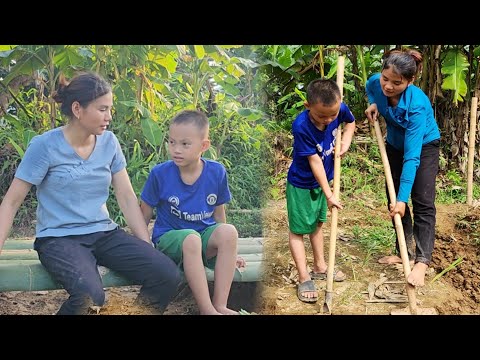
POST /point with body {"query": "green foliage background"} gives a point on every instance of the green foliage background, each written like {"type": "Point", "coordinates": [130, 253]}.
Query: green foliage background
{"type": "Point", "coordinates": [150, 85]}
{"type": "Point", "coordinates": [251, 94]}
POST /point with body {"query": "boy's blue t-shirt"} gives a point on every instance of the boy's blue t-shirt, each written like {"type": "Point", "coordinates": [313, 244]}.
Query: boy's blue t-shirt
{"type": "Point", "coordinates": [182, 206]}
{"type": "Point", "coordinates": [71, 192]}
{"type": "Point", "coordinates": [410, 125]}
{"type": "Point", "coordinates": [309, 140]}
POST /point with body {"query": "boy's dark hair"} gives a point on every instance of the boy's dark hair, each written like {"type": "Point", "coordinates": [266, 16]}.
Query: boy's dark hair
{"type": "Point", "coordinates": [195, 117]}
{"type": "Point", "coordinates": [84, 88]}
{"type": "Point", "coordinates": [325, 91]}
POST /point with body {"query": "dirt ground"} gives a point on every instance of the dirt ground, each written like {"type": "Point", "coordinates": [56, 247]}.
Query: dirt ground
{"type": "Point", "coordinates": [370, 288]}
{"type": "Point", "coordinates": [119, 301]}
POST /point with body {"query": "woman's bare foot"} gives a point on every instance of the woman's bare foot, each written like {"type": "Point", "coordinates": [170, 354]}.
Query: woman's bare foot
{"type": "Point", "coordinates": [417, 276]}
{"type": "Point", "coordinates": [226, 311]}
{"type": "Point", "coordinates": [392, 259]}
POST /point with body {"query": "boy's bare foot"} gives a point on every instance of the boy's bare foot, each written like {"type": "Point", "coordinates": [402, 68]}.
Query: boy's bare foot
{"type": "Point", "coordinates": [213, 312]}
{"type": "Point", "coordinates": [417, 276]}
{"type": "Point", "coordinates": [392, 259]}
{"type": "Point", "coordinates": [226, 311]}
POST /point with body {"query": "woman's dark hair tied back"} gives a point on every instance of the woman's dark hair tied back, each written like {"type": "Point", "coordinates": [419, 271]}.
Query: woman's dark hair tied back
{"type": "Point", "coordinates": [406, 62]}
{"type": "Point", "coordinates": [84, 88]}
{"type": "Point", "coordinates": [60, 93]}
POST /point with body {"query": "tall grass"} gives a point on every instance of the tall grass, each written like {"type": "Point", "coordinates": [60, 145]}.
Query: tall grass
{"type": "Point", "coordinates": [375, 240]}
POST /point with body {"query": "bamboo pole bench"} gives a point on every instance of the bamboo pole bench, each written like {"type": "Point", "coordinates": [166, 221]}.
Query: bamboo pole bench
{"type": "Point", "coordinates": [20, 269]}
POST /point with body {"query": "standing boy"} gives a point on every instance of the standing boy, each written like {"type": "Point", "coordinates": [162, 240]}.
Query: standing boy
{"type": "Point", "coordinates": [308, 190]}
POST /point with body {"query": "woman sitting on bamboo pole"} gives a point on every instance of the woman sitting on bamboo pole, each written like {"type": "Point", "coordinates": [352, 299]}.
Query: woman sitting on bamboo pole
{"type": "Point", "coordinates": [72, 167]}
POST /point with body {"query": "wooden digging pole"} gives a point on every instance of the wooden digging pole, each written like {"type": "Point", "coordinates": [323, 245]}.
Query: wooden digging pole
{"type": "Point", "coordinates": [412, 301]}
{"type": "Point", "coordinates": [327, 306]}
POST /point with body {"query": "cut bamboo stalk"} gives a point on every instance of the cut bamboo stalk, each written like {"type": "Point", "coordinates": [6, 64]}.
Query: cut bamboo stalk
{"type": "Point", "coordinates": [471, 150]}
{"type": "Point", "coordinates": [412, 302]}
{"type": "Point", "coordinates": [23, 254]}
{"type": "Point", "coordinates": [21, 270]}
{"type": "Point", "coordinates": [30, 254]}
{"type": "Point", "coordinates": [249, 249]}
{"type": "Point", "coordinates": [253, 272]}
{"type": "Point", "coordinates": [12, 244]}
{"type": "Point", "coordinates": [30, 275]}
{"type": "Point", "coordinates": [412, 308]}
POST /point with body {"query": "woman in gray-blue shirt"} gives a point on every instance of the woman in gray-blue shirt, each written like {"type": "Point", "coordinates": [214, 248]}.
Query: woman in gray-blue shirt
{"type": "Point", "coordinates": [72, 168]}
{"type": "Point", "coordinates": [412, 146]}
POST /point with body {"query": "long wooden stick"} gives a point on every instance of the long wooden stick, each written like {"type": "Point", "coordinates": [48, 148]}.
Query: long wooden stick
{"type": "Point", "coordinates": [471, 150]}
{"type": "Point", "coordinates": [412, 301]}
{"type": "Point", "coordinates": [336, 191]}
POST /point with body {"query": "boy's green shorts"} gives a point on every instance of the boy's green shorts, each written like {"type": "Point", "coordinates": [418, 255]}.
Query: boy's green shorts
{"type": "Point", "coordinates": [171, 244]}
{"type": "Point", "coordinates": [306, 208]}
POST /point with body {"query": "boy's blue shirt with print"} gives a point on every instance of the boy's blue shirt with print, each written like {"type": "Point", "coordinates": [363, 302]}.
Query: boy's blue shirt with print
{"type": "Point", "coordinates": [182, 206]}
{"type": "Point", "coordinates": [309, 140]}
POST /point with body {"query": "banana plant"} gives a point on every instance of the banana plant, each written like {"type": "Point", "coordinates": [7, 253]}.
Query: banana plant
{"type": "Point", "coordinates": [455, 67]}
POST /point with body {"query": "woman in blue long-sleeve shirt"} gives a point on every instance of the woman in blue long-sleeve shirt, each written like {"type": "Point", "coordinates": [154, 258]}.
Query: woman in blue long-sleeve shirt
{"type": "Point", "coordinates": [413, 152]}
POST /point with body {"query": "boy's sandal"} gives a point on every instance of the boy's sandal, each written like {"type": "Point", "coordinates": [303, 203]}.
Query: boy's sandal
{"type": "Point", "coordinates": [323, 276]}
{"type": "Point", "coordinates": [307, 286]}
